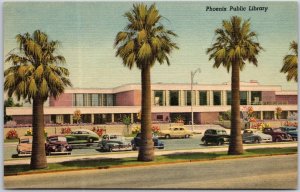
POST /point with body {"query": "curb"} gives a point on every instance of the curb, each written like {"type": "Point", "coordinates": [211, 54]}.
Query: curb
{"type": "Point", "coordinates": [144, 165]}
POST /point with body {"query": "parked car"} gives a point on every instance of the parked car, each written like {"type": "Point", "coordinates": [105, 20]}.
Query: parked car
{"type": "Point", "coordinates": [277, 134]}
{"type": "Point", "coordinates": [175, 132]}
{"type": "Point", "coordinates": [82, 136]}
{"type": "Point", "coordinates": [255, 136]}
{"type": "Point", "coordinates": [24, 146]}
{"type": "Point", "coordinates": [114, 143]}
{"type": "Point", "coordinates": [57, 144]}
{"type": "Point", "coordinates": [291, 131]}
{"type": "Point", "coordinates": [215, 136]}
{"type": "Point", "coordinates": [136, 142]}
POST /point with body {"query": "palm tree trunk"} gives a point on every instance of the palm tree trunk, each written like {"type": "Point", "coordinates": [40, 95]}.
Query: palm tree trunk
{"type": "Point", "coordinates": [38, 156]}
{"type": "Point", "coordinates": [236, 144]}
{"type": "Point", "coordinates": [146, 150]}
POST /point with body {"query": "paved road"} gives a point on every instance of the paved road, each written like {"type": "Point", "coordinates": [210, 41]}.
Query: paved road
{"type": "Point", "coordinates": [56, 159]}
{"type": "Point", "coordinates": [276, 172]}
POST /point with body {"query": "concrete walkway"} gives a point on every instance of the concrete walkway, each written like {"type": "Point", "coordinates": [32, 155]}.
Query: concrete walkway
{"type": "Point", "coordinates": [117, 155]}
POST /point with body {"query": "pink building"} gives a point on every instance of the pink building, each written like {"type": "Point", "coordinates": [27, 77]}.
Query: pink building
{"type": "Point", "coordinates": [169, 101]}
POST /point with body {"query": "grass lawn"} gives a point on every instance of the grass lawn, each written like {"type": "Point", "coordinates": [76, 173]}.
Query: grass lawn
{"type": "Point", "coordinates": [11, 140]}
{"type": "Point", "coordinates": [108, 163]}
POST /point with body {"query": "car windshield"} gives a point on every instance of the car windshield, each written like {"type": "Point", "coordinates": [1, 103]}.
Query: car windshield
{"type": "Point", "coordinates": [221, 132]}
{"type": "Point", "coordinates": [277, 130]}
{"type": "Point", "coordinates": [62, 139]}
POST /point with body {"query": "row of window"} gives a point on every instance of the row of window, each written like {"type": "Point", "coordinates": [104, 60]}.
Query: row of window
{"type": "Point", "coordinates": [174, 98]}
{"type": "Point", "coordinates": [81, 99]}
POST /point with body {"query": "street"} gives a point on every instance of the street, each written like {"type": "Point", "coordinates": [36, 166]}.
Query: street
{"type": "Point", "coordinates": [273, 172]}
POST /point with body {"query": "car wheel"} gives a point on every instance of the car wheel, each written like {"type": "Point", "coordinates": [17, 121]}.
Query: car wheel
{"type": "Point", "coordinates": [205, 142]}
{"type": "Point", "coordinates": [110, 149]}
{"type": "Point", "coordinates": [277, 139]}
{"type": "Point", "coordinates": [187, 136]}
{"type": "Point", "coordinates": [256, 140]}
{"type": "Point", "coordinates": [220, 142]}
{"type": "Point", "coordinates": [134, 148]}
{"type": "Point", "coordinates": [167, 136]}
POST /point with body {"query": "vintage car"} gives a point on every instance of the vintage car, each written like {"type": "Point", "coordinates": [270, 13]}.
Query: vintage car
{"type": "Point", "coordinates": [24, 146]}
{"type": "Point", "coordinates": [175, 132]}
{"type": "Point", "coordinates": [57, 144]}
{"type": "Point", "coordinates": [255, 136]}
{"type": "Point", "coordinates": [82, 136]}
{"type": "Point", "coordinates": [114, 143]}
{"type": "Point", "coordinates": [292, 131]}
{"type": "Point", "coordinates": [277, 134]}
{"type": "Point", "coordinates": [215, 136]}
{"type": "Point", "coordinates": [136, 142]}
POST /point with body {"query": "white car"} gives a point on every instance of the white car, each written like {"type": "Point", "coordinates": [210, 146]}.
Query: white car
{"type": "Point", "coordinates": [255, 136]}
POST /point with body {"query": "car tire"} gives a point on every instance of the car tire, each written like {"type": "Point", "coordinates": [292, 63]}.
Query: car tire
{"type": "Point", "coordinates": [256, 140]}
{"type": "Point", "coordinates": [134, 148]}
{"type": "Point", "coordinates": [167, 136]}
{"type": "Point", "coordinates": [277, 139]}
{"type": "Point", "coordinates": [220, 142]}
{"type": "Point", "coordinates": [186, 136]}
{"type": "Point", "coordinates": [205, 142]}
{"type": "Point", "coordinates": [110, 149]}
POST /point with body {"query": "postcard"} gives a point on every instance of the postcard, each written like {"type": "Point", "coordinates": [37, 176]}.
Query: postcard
{"type": "Point", "coordinates": [150, 95]}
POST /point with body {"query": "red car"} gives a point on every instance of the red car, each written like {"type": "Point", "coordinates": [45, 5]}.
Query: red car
{"type": "Point", "coordinates": [57, 144]}
{"type": "Point", "coordinates": [277, 134]}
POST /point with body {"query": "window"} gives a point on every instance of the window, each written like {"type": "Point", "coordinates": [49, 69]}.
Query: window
{"type": "Point", "coordinates": [174, 98]}
{"type": "Point", "coordinates": [110, 100]}
{"type": "Point", "coordinates": [158, 98]}
{"type": "Point", "coordinates": [95, 100]}
{"type": "Point", "coordinates": [243, 97]}
{"type": "Point", "coordinates": [255, 97]}
{"type": "Point", "coordinates": [228, 97]}
{"type": "Point", "coordinates": [217, 97]}
{"type": "Point", "coordinates": [203, 97]}
{"type": "Point", "coordinates": [78, 99]}
{"type": "Point", "coordinates": [188, 99]}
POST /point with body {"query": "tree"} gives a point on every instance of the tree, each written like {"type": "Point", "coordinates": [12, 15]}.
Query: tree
{"type": "Point", "coordinates": [144, 42]}
{"type": "Point", "coordinates": [126, 121]}
{"type": "Point", "coordinates": [36, 74]}
{"type": "Point", "coordinates": [233, 47]}
{"type": "Point", "coordinates": [77, 116]}
{"type": "Point", "coordinates": [290, 63]}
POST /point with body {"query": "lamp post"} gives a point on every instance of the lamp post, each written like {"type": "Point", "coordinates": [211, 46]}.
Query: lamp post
{"type": "Point", "coordinates": [192, 98]}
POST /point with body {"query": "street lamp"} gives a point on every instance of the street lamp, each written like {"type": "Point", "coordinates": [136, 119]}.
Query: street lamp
{"type": "Point", "coordinates": [192, 99]}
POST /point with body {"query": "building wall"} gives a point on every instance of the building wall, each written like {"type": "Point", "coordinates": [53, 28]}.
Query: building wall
{"type": "Point", "coordinates": [268, 96]}
{"type": "Point", "coordinates": [27, 119]}
{"type": "Point", "coordinates": [206, 117]}
{"type": "Point", "coordinates": [165, 117]}
{"type": "Point", "coordinates": [65, 99]}
{"type": "Point", "coordinates": [289, 99]}
{"type": "Point", "coordinates": [128, 98]}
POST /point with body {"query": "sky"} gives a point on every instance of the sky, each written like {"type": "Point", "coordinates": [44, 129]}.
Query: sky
{"type": "Point", "coordinates": [87, 31]}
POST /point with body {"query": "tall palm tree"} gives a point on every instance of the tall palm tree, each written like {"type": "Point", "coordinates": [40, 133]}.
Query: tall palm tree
{"type": "Point", "coordinates": [36, 73]}
{"type": "Point", "coordinates": [234, 46]}
{"type": "Point", "coordinates": [143, 42]}
{"type": "Point", "coordinates": [290, 63]}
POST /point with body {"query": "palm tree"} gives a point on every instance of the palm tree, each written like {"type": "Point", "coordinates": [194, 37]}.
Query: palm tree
{"type": "Point", "coordinates": [290, 63]}
{"type": "Point", "coordinates": [233, 47]}
{"type": "Point", "coordinates": [143, 42]}
{"type": "Point", "coordinates": [36, 73]}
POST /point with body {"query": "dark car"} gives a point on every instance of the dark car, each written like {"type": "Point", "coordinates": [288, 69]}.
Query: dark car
{"type": "Point", "coordinates": [277, 134]}
{"type": "Point", "coordinates": [292, 131]}
{"type": "Point", "coordinates": [215, 136]}
{"type": "Point", "coordinates": [57, 144]}
{"type": "Point", "coordinates": [136, 142]}
{"type": "Point", "coordinates": [114, 143]}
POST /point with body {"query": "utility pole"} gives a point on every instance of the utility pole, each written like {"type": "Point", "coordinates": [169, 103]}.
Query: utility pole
{"type": "Point", "coordinates": [192, 98]}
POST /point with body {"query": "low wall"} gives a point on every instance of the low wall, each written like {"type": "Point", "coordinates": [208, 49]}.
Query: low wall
{"type": "Point", "coordinates": [118, 129]}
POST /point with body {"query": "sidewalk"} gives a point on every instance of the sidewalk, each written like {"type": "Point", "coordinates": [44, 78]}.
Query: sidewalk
{"type": "Point", "coordinates": [118, 155]}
